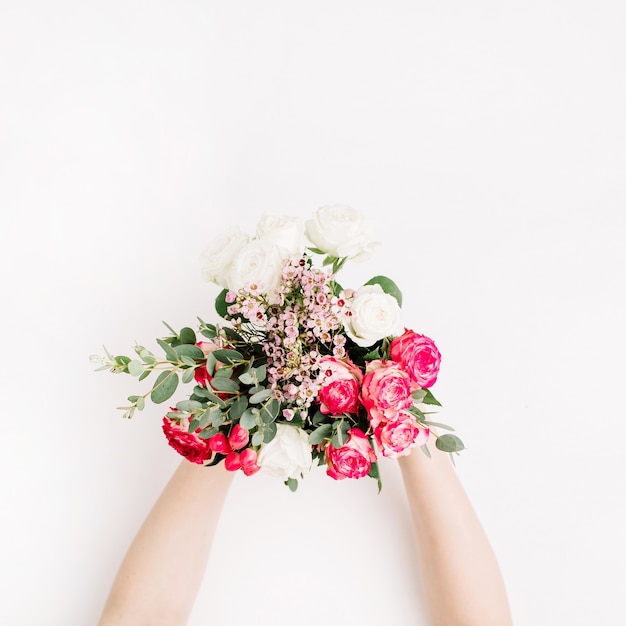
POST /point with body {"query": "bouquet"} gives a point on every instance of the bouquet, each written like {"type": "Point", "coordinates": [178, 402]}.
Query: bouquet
{"type": "Point", "coordinates": [300, 370]}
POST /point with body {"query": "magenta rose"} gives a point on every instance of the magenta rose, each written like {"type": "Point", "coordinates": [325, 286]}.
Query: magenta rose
{"type": "Point", "coordinates": [386, 387]}
{"type": "Point", "coordinates": [398, 435]}
{"type": "Point", "coordinates": [419, 356]}
{"type": "Point", "coordinates": [340, 387]}
{"type": "Point", "coordinates": [238, 437]}
{"type": "Point", "coordinates": [193, 448]}
{"type": "Point", "coordinates": [353, 460]}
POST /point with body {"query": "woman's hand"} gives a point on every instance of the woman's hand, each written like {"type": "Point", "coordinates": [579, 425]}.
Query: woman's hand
{"type": "Point", "coordinates": [462, 582]}
{"type": "Point", "coordinates": [161, 573]}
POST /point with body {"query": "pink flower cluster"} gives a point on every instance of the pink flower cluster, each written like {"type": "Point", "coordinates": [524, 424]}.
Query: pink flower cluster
{"type": "Point", "coordinates": [384, 391]}
{"type": "Point", "coordinates": [297, 321]}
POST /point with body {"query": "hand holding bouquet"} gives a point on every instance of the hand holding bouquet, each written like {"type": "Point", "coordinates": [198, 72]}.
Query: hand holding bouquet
{"type": "Point", "coordinates": [301, 370]}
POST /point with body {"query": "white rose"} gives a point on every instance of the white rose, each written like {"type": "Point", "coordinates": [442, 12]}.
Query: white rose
{"type": "Point", "coordinates": [341, 231]}
{"type": "Point", "coordinates": [373, 315]}
{"type": "Point", "coordinates": [288, 455]}
{"type": "Point", "coordinates": [217, 257]}
{"type": "Point", "coordinates": [257, 262]}
{"type": "Point", "coordinates": [286, 233]}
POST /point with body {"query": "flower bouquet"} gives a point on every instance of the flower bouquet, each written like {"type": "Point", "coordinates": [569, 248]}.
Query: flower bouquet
{"type": "Point", "coordinates": [300, 370]}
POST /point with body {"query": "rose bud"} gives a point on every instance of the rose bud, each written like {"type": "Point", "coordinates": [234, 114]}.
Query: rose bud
{"type": "Point", "coordinates": [238, 437]}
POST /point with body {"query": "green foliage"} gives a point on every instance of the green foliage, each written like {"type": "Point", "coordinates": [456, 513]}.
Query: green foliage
{"type": "Point", "coordinates": [449, 443]}
{"type": "Point", "coordinates": [388, 286]}
{"type": "Point", "coordinates": [164, 387]}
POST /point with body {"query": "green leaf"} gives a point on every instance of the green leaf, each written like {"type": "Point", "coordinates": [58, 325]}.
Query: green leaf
{"type": "Point", "coordinates": [318, 418]}
{"type": "Point", "coordinates": [375, 473]}
{"type": "Point", "coordinates": [341, 434]}
{"type": "Point", "coordinates": [269, 432]}
{"type": "Point", "coordinates": [141, 403]}
{"type": "Point", "coordinates": [207, 433]}
{"type": "Point", "coordinates": [230, 357]}
{"type": "Point", "coordinates": [257, 438]}
{"type": "Point", "coordinates": [188, 405]}
{"type": "Point", "coordinates": [320, 433]}
{"type": "Point", "coordinates": [418, 395]}
{"type": "Point", "coordinates": [269, 411]}
{"type": "Point", "coordinates": [144, 375]}
{"type": "Point", "coordinates": [292, 483]}
{"type": "Point", "coordinates": [135, 368]}
{"type": "Point", "coordinates": [260, 396]}
{"type": "Point", "coordinates": [187, 376]}
{"type": "Point", "coordinates": [237, 407]}
{"type": "Point", "coordinates": [248, 419]}
{"type": "Point", "coordinates": [437, 425]}
{"type": "Point", "coordinates": [188, 336]}
{"type": "Point", "coordinates": [430, 399]}
{"type": "Point", "coordinates": [221, 306]}
{"type": "Point", "coordinates": [261, 373]}
{"type": "Point", "coordinates": [388, 286]}
{"type": "Point", "coordinates": [246, 378]}
{"type": "Point", "coordinates": [426, 450]}
{"type": "Point", "coordinates": [174, 333]}
{"type": "Point", "coordinates": [164, 387]}
{"type": "Point", "coordinates": [225, 384]}
{"type": "Point", "coordinates": [449, 443]}
{"type": "Point", "coordinates": [169, 351]}
{"type": "Point", "coordinates": [193, 352]}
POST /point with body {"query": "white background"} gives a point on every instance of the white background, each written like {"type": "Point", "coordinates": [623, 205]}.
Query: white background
{"type": "Point", "coordinates": [486, 141]}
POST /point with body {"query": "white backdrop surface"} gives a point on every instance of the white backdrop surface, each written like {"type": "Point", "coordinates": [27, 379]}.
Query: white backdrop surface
{"type": "Point", "coordinates": [485, 140]}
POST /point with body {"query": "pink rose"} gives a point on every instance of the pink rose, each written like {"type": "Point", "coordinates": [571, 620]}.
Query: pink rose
{"type": "Point", "coordinates": [248, 458]}
{"type": "Point", "coordinates": [193, 448]}
{"type": "Point", "coordinates": [238, 437]}
{"type": "Point", "coordinates": [419, 356]}
{"type": "Point", "coordinates": [353, 460]}
{"type": "Point", "coordinates": [201, 374]}
{"type": "Point", "coordinates": [386, 387]}
{"type": "Point", "coordinates": [219, 443]}
{"type": "Point", "coordinates": [232, 462]}
{"type": "Point", "coordinates": [340, 387]}
{"type": "Point", "coordinates": [397, 436]}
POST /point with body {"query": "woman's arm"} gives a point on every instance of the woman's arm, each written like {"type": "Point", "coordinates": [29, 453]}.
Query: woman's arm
{"type": "Point", "coordinates": [162, 570]}
{"type": "Point", "coordinates": [461, 577]}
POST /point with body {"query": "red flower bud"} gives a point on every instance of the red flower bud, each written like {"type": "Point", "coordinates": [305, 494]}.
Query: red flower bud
{"type": "Point", "coordinates": [238, 437]}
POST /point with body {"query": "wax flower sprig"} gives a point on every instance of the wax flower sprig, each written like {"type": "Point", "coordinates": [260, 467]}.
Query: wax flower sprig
{"type": "Point", "coordinates": [300, 370]}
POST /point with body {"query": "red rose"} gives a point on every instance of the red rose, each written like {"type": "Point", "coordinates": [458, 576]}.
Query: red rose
{"type": "Point", "coordinates": [193, 448]}
{"type": "Point", "coordinates": [353, 460]}
{"type": "Point", "coordinates": [340, 387]}
{"type": "Point", "coordinates": [419, 356]}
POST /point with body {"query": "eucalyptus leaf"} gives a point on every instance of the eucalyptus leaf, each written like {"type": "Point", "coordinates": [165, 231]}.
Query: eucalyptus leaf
{"type": "Point", "coordinates": [145, 375]}
{"type": "Point", "coordinates": [237, 407]}
{"type": "Point", "coordinates": [437, 425]}
{"type": "Point", "coordinates": [230, 357]}
{"type": "Point", "coordinates": [187, 336]}
{"type": "Point", "coordinates": [170, 353]}
{"type": "Point", "coordinates": [257, 438]}
{"type": "Point", "coordinates": [269, 411]}
{"type": "Point", "coordinates": [164, 387]}
{"type": "Point", "coordinates": [193, 352]}
{"type": "Point", "coordinates": [418, 395]}
{"type": "Point", "coordinates": [207, 433]}
{"type": "Point", "coordinates": [269, 432]}
{"type": "Point", "coordinates": [248, 419]}
{"type": "Point", "coordinates": [260, 396]}
{"type": "Point", "coordinates": [224, 384]}
{"type": "Point", "coordinates": [246, 378]}
{"type": "Point", "coordinates": [292, 483]}
{"type": "Point", "coordinates": [135, 367]}
{"type": "Point", "coordinates": [188, 405]}
{"type": "Point", "coordinates": [320, 433]}
{"type": "Point", "coordinates": [449, 443]}
{"type": "Point", "coordinates": [188, 375]}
